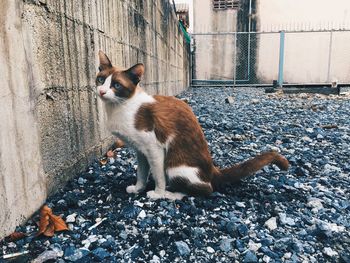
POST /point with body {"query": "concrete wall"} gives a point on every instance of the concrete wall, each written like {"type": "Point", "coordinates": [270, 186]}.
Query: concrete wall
{"type": "Point", "coordinates": [310, 57]}
{"type": "Point", "coordinates": [213, 54]}
{"type": "Point", "coordinates": [51, 122]}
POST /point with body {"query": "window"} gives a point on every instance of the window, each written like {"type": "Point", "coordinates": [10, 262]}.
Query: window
{"type": "Point", "coordinates": [225, 4]}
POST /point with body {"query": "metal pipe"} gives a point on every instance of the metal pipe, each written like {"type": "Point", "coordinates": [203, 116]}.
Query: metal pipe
{"type": "Point", "coordinates": [235, 61]}
{"type": "Point", "coordinates": [270, 32]}
{"type": "Point", "coordinates": [249, 29]}
{"type": "Point", "coordinates": [330, 56]}
{"type": "Point", "coordinates": [281, 60]}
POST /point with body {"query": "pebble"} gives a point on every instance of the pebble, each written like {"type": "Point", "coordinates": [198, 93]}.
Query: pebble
{"type": "Point", "coordinates": [226, 244]}
{"type": "Point", "coordinates": [250, 257]}
{"type": "Point", "coordinates": [286, 220]}
{"type": "Point", "coordinates": [329, 252]}
{"type": "Point", "coordinates": [182, 248]}
{"type": "Point", "coordinates": [100, 253]}
{"type": "Point", "coordinates": [230, 100]}
{"type": "Point", "coordinates": [314, 203]}
{"type": "Point", "coordinates": [71, 218]}
{"type": "Point", "coordinates": [210, 250]}
{"type": "Point", "coordinates": [271, 224]}
{"type": "Point", "coordinates": [142, 214]}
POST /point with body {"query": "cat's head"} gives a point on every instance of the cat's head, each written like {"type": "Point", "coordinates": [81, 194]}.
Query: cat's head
{"type": "Point", "coordinates": [116, 85]}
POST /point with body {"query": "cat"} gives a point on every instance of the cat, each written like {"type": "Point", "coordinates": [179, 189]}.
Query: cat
{"type": "Point", "coordinates": [167, 138]}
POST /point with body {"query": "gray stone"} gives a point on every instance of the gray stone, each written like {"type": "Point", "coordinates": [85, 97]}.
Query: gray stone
{"type": "Point", "coordinates": [271, 224]}
{"type": "Point", "coordinates": [286, 220]}
{"type": "Point", "coordinates": [182, 248]}
{"type": "Point", "coordinates": [229, 100]}
{"type": "Point", "coordinates": [225, 244]}
{"type": "Point", "coordinates": [329, 252]}
{"type": "Point", "coordinates": [250, 257]}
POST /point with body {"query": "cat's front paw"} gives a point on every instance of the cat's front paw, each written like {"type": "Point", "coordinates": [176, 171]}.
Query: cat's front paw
{"type": "Point", "coordinates": [154, 195]}
{"type": "Point", "coordinates": [165, 195]}
{"type": "Point", "coordinates": [133, 189]}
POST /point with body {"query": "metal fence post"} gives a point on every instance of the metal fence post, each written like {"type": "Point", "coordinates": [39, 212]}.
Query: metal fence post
{"type": "Point", "coordinates": [330, 56]}
{"type": "Point", "coordinates": [281, 59]}
{"type": "Point", "coordinates": [235, 61]}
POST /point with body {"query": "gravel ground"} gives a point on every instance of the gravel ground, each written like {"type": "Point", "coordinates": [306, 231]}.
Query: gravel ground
{"type": "Point", "coordinates": [302, 215]}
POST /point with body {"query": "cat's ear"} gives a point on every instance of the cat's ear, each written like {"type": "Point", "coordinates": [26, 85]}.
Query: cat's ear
{"type": "Point", "coordinates": [135, 73]}
{"type": "Point", "coordinates": [105, 63]}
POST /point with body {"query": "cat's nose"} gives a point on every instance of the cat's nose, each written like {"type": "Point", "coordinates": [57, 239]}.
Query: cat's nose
{"type": "Point", "coordinates": [102, 92]}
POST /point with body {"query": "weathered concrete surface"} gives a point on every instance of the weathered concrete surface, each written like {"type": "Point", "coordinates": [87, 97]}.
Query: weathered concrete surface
{"type": "Point", "coordinates": [213, 54]}
{"type": "Point", "coordinates": [52, 124]}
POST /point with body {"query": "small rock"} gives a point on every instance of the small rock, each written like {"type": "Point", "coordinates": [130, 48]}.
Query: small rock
{"type": "Point", "coordinates": [210, 250]}
{"type": "Point", "coordinates": [266, 259]}
{"type": "Point", "coordinates": [81, 181]}
{"type": "Point", "coordinates": [100, 253]}
{"type": "Point", "coordinates": [230, 100]}
{"type": "Point", "coordinates": [254, 246]}
{"type": "Point", "coordinates": [240, 204]}
{"type": "Point", "coordinates": [287, 255]}
{"type": "Point", "coordinates": [309, 130]}
{"type": "Point", "coordinates": [225, 244]}
{"type": "Point", "coordinates": [271, 224]}
{"type": "Point", "coordinates": [306, 139]}
{"type": "Point", "coordinates": [329, 252]}
{"type": "Point", "coordinates": [250, 257]}
{"type": "Point", "coordinates": [71, 218]}
{"type": "Point", "coordinates": [155, 259]}
{"type": "Point", "coordinates": [286, 220]}
{"type": "Point", "coordinates": [182, 248]}
{"type": "Point", "coordinates": [130, 211]}
{"type": "Point", "coordinates": [242, 230]}
{"type": "Point", "coordinates": [162, 253]}
{"type": "Point", "coordinates": [314, 203]}
{"type": "Point", "coordinates": [48, 255]}
{"type": "Point", "coordinates": [135, 252]}
{"type": "Point", "coordinates": [142, 214]}
{"type": "Point", "coordinates": [329, 228]}
{"type": "Point", "coordinates": [72, 254]}
{"type": "Point", "coordinates": [319, 136]}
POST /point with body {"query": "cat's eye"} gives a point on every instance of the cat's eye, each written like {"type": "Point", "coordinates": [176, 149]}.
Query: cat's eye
{"type": "Point", "coordinates": [101, 79]}
{"type": "Point", "coordinates": [117, 86]}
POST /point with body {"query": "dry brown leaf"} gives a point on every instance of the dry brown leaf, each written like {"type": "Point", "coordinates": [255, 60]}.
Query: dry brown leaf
{"type": "Point", "coordinates": [15, 236]}
{"type": "Point", "coordinates": [59, 223]}
{"type": "Point", "coordinates": [50, 230]}
{"type": "Point", "coordinates": [103, 161]}
{"type": "Point", "coordinates": [49, 223]}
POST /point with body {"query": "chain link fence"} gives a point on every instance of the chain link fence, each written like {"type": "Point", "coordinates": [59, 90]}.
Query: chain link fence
{"type": "Point", "coordinates": [259, 58]}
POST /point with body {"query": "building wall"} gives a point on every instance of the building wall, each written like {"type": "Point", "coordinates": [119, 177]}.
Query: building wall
{"type": "Point", "coordinates": [213, 54]}
{"type": "Point", "coordinates": [51, 123]}
{"type": "Point", "coordinates": [310, 57]}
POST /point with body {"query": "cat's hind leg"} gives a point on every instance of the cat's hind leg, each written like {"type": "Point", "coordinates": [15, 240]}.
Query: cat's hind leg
{"type": "Point", "coordinates": [142, 174]}
{"type": "Point", "coordinates": [187, 180]}
{"type": "Point", "coordinates": [156, 161]}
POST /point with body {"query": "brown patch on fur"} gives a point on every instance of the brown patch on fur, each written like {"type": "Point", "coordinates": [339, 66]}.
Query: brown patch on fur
{"type": "Point", "coordinates": [128, 87]}
{"type": "Point", "coordinates": [172, 118]}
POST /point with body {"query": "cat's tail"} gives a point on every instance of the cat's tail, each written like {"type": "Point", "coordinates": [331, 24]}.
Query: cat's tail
{"type": "Point", "coordinates": [239, 171]}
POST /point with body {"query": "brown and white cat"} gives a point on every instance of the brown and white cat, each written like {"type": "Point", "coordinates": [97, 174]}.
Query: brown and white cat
{"type": "Point", "coordinates": [167, 138]}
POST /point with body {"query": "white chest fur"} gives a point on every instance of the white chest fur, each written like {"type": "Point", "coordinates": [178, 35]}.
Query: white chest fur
{"type": "Point", "coordinates": [121, 122]}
